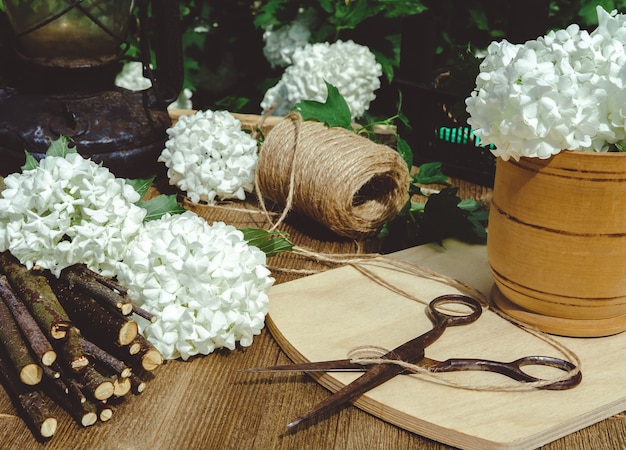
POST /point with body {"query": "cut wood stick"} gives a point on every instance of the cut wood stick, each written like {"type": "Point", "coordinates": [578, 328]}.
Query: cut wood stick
{"type": "Point", "coordinates": [143, 313]}
{"type": "Point", "coordinates": [75, 390]}
{"type": "Point", "coordinates": [95, 384]}
{"type": "Point", "coordinates": [121, 387]}
{"type": "Point", "coordinates": [35, 408]}
{"type": "Point", "coordinates": [71, 352]}
{"type": "Point", "coordinates": [52, 376]}
{"type": "Point", "coordinates": [39, 343]}
{"type": "Point", "coordinates": [18, 353]}
{"type": "Point", "coordinates": [35, 291]}
{"type": "Point", "coordinates": [98, 323]}
{"type": "Point", "coordinates": [148, 357]}
{"type": "Point", "coordinates": [105, 358]}
{"type": "Point", "coordinates": [82, 278]}
{"type": "Point", "coordinates": [137, 384]}
{"type": "Point", "coordinates": [105, 411]}
{"type": "Point", "coordinates": [116, 294]}
{"type": "Point", "coordinates": [74, 403]}
{"type": "Point", "coordinates": [108, 282]}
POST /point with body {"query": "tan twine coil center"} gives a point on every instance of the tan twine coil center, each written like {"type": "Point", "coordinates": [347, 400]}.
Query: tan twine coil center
{"type": "Point", "coordinates": [342, 180]}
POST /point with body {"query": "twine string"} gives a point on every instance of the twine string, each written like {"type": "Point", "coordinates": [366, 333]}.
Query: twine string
{"type": "Point", "coordinates": [296, 119]}
{"type": "Point", "coordinates": [371, 354]}
{"type": "Point", "coordinates": [331, 175]}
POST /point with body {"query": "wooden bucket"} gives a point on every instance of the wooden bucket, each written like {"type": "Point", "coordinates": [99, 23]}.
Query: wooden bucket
{"type": "Point", "coordinates": [557, 242]}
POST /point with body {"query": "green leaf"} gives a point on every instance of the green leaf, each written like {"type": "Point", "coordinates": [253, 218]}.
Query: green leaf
{"type": "Point", "coordinates": [60, 147]}
{"type": "Point", "coordinates": [443, 218]}
{"type": "Point", "coordinates": [334, 112]}
{"type": "Point", "coordinates": [274, 12]}
{"type": "Point", "coordinates": [31, 162]}
{"type": "Point", "coordinates": [159, 206]}
{"type": "Point", "coordinates": [431, 173]}
{"type": "Point", "coordinates": [405, 151]}
{"type": "Point", "coordinates": [141, 185]}
{"type": "Point", "coordinates": [269, 242]}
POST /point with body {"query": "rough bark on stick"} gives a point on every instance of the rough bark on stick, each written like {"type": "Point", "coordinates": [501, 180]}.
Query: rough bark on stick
{"type": "Point", "coordinates": [71, 352]}
{"type": "Point", "coordinates": [108, 282]}
{"type": "Point", "coordinates": [105, 411]}
{"type": "Point", "coordinates": [148, 356]}
{"type": "Point", "coordinates": [137, 384]}
{"type": "Point", "coordinates": [17, 350]}
{"type": "Point", "coordinates": [96, 322]}
{"type": "Point", "coordinates": [74, 403]}
{"type": "Point", "coordinates": [143, 313]}
{"type": "Point", "coordinates": [95, 384]}
{"type": "Point", "coordinates": [75, 390]}
{"type": "Point", "coordinates": [38, 342]}
{"type": "Point", "coordinates": [35, 408]}
{"type": "Point", "coordinates": [116, 294]}
{"type": "Point", "coordinates": [33, 288]}
{"type": "Point", "coordinates": [81, 278]}
{"type": "Point", "coordinates": [105, 358]}
{"type": "Point", "coordinates": [52, 375]}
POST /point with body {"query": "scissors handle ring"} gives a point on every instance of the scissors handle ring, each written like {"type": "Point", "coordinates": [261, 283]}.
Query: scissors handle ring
{"type": "Point", "coordinates": [455, 319]}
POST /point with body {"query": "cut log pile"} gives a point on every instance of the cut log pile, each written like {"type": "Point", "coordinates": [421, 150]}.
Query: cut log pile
{"type": "Point", "coordinates": [71, 340]}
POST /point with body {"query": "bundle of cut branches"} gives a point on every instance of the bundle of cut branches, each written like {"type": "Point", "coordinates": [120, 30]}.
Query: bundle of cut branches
{"type": "Point", "coordinates": [71, 340]}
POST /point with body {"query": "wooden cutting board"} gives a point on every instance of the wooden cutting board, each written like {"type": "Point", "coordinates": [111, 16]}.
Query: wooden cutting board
{"type": "Point", "coordinates": [324, 316]}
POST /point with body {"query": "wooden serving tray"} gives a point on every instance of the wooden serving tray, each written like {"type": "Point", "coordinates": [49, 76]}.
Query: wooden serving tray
{"type": "Point", "coordinates": [326, 315]}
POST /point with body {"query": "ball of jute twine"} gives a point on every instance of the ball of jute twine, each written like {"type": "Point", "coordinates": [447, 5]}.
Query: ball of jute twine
{"type": "Point", "coordinates": [342, 180]}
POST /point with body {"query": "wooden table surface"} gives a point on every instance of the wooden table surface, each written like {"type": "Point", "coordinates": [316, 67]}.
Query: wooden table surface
{"type": "Point", "coordinates": [206, 403]}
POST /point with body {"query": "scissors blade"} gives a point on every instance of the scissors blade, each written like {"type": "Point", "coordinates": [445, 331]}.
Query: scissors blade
{"type": "Point", "coordinates": [338, 365]}
{"type": "Point", "coordinates": [375, 376]}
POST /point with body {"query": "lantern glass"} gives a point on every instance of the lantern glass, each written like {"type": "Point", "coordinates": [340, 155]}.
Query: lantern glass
{"type": "Point", "coordinates": [69, 33]}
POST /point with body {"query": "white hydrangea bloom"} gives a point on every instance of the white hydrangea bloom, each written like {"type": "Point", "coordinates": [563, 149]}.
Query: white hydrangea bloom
{"type": "Point", "coordinates": [204, 283]}
{"type": "Point", "coordinates": [282, 42]}
{"type": "Point", "coordinates": [350, 67]}
{"type": "Point", "coordinates": [209, 156]}
{"type": "Point", "coordinates": [68, 210]}
{"type": "Point", "coordinates": [131, 78]}
{"type": "Point", "coordinates": [564, 90]}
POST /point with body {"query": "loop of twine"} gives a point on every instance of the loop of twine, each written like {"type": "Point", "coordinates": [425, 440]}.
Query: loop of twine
{"type": "Point", "coordinates": [333, 176]}
{"type": "Point", "coordinates": [371, 354]}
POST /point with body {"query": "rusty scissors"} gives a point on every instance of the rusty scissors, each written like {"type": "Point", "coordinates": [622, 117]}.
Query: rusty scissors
{"type": "Point", "coordinates": [413, 352]}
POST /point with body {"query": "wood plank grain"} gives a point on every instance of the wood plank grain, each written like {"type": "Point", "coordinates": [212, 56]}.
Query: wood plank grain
{"type": "Point", "coordinates": [206, 403]}
{"type": "Point", "coordinates": [324, 316]}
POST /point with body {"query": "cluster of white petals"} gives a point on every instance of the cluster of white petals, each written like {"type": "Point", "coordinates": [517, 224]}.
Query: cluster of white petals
{"type": "Point", "coordinates": [68, 210]}
{"type": "Point", "coordinates": [209, 156]}
{"type": "Point", "coordinates": [131, 78]}
{"type": "Point", "coordinates": [564, 90]}
{"type": "Point", "coordinates": [282, 42]}
{"type": "Point", "coordinates": [350, 67]}
{"type": "Point", "coordinates": [204, 283]}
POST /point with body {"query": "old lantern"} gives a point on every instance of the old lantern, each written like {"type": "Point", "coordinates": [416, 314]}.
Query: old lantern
{"type": "Point", "coordinates": [60, 79]}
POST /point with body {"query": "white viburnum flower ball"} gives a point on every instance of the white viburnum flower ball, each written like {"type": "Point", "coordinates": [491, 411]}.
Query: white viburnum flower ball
{"type": "Point", "coordinates": [131, 78]}
{"type": "Point", "coordinates": [68, 210]}
{"type": "Point", "coordinates": [282, 42]}
{"type": "Point", "coordinates": [350, 67]}
{"type": "Point", "coordinates": [206, 286]}
{"type": "Point", "coordinates": [561, 91]}
{"type": "Point", "coordinates": [210, 157]}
